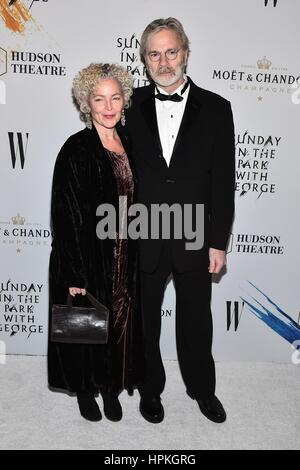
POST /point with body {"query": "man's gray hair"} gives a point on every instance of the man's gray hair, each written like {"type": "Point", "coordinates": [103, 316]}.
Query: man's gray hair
{"type": "Point", "coordinates": [158, 25]}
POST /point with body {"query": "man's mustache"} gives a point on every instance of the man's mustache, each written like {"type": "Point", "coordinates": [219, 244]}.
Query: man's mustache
{"type": "Point", "coordinates": [165, 70]}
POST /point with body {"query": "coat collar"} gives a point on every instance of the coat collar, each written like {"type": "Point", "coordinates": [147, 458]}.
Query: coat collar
{"type": "Point", "coordinates": [96, 143]}
{"type": "Point", "coordinates": [94, 136]}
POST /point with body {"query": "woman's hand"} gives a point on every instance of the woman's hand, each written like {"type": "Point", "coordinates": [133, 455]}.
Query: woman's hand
{"type": "Point", "coordinates": [76, 290]}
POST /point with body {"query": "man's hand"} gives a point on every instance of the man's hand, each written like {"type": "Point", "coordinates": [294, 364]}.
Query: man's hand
{"type": "Point", "coordinates": [217, 260]}
{"type": "Point", "coordinates": [76, 290]}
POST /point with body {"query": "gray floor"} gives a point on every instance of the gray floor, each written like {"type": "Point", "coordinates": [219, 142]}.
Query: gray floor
{"type": "Point", "coordinates": [262, 403]}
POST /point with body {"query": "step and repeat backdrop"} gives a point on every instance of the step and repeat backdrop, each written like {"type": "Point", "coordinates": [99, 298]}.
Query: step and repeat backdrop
{"type": "Point", "coordinates": [245, 50]}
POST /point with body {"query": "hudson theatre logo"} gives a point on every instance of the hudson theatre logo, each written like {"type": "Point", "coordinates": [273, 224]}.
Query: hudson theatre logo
{"type": "Point", "coordinates": [261, 244]}
{"type": "Point", "coordinates": [3, 61]}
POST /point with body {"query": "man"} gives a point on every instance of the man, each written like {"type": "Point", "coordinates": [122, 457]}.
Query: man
{"type": "Point", "coordinates": [183, 146]}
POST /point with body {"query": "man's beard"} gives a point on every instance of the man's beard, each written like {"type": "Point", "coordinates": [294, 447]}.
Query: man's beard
{"type": "Point", "coordinates": [175, 75]}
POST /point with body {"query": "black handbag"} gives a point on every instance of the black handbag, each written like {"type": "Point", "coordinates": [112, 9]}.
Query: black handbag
{"type": "Point", "coordinates": [82, 325]}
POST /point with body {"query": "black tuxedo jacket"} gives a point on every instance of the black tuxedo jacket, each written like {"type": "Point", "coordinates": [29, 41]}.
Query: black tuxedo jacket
{"type": "Point", "coordinates": [201, 170]}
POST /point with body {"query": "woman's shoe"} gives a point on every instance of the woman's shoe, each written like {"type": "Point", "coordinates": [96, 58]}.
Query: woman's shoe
{"type": "Point", "coordinates": [112, 406]}
{"type": "Point", "coordinates": [88, 407]}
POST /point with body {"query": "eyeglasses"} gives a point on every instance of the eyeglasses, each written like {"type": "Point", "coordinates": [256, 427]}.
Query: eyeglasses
{"type": "Point", "coordinates": [170, 54]}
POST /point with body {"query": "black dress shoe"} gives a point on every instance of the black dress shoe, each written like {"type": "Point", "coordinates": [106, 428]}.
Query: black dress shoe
{"type": "Point", "coordinates": [112, 406]}
{"type": "Point", "coordinates": [151, 409]}
{"type": "Point", "coordinates": [213, 409]}
{"type": "Point", "coordinates": [88, 407]}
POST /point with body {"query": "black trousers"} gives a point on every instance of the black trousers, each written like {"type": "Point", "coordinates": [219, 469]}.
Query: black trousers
{"type": "Point", "coordinates": [193, 328]}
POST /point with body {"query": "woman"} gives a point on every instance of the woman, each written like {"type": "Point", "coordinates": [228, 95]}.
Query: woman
{"type": "Point", "coordinates": [93, 168]}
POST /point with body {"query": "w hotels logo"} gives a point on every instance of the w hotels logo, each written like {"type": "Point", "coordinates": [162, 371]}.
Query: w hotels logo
{"type": "Point", "coordinates": [18, 147]}
{"type": "Point", "coordinates": [269, 2]}
{"type": "Point", "coordinates": [233, 313]}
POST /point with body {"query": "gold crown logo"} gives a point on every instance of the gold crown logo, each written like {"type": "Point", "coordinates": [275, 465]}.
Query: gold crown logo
{"type": "Point", "coordinates": [264, 63]}
{"type": "Point", "coordinates": [18, 220]}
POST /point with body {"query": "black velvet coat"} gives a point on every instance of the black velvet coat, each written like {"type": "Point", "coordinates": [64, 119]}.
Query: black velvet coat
{"type": "Point", "coordinates": [83, 179]}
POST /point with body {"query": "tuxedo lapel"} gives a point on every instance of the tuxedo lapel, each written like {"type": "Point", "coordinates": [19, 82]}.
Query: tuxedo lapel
{"type": "Point", "coordinates": [149, 113]}
{"type": "Point", "coordinates": [190, 116]}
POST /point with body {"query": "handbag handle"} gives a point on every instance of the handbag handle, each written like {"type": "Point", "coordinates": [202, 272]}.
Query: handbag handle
{"type": "Point", "coordinates": [91, 298]}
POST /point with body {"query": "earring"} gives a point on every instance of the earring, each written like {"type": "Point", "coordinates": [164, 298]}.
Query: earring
{"type": "Point", "coordinates": [88, 120]}
{"type": "Point", "coordinates": [123, 118]}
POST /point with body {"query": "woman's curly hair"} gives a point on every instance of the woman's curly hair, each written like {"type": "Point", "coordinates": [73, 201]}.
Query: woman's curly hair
{"type": "Point", "coordinates": [88, 78]}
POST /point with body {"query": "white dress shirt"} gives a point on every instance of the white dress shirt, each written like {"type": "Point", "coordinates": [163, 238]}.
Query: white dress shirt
{"type": "Point", "coordinates": [169, 115]}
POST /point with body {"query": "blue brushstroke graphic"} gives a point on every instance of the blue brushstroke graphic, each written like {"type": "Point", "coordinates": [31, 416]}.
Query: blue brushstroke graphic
{"type": "Point", "coordinates": [277, 319]}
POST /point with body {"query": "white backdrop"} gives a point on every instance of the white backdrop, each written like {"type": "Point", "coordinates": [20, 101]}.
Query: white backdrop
{"type": "Point", "coordinates": [245, 50]}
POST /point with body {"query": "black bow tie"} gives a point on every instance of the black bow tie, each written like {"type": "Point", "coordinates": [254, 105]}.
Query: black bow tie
{"type": "Point", "coordinates": [175, 97]}
{"type": "Point", "coordinates": [163, 97]}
